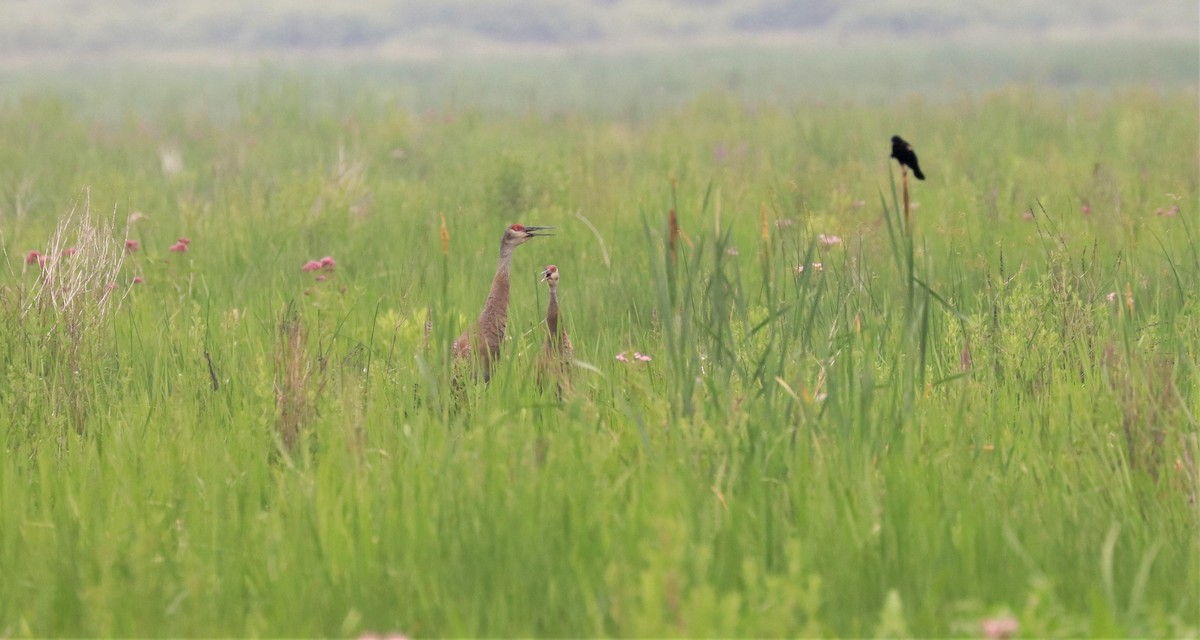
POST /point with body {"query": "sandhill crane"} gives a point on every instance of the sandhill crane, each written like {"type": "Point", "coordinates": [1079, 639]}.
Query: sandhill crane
{"type": "Point", "coordinates": [483, 341]}
{"type": "Point", "coordinates": [557, 353]}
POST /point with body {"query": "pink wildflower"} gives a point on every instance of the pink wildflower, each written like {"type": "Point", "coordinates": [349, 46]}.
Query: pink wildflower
{"type": "Point", "coordinates": [999, 628]}
{"type": "Point", "coordinates": [70, 251]}
{"type": "Point", "coordinates": [184, 240]}
{"type": "Point", "coordinates": [320, 278]}
{"type": "Point", "coordinates": [1111, 297]}
{"type": "Point", "coordinates": [829, 241]}
{"type": "Point", "coordinates": [1170, 213]}
{"type": "Point", "coordinates": [621, 357]}
{"type": "Point", "coordinates": [178, 247]}
{"type": "Point", "coordinates": [1085, 209]}
{"type": "Point", "coordinates": [641, 357]}
{"type": "Point", "coordinates": [327, 263]}
{"type": "Point", "coordinates": [35, 256]}
{"type": "Point", "coordinates": [799, 269]}
{"type": "Point", "coordinates": [311, 265]}
{"type": "Point", "coordinates": [137, 280]}
{"type": "Point", "coordinates": [132, 246]}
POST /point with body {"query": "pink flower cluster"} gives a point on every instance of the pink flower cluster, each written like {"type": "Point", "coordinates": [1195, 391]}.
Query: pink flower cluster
{"type": "Point", "coordinates": [324, 264]}
{"type": "Point", "coordinates": [131, 246]}
{"type": "Point", "coordinates": [40, 259]}
{"type": "Point", "coordinates": [829, 241]}
{"type": "Point", "coordinates": [181, 245]}
{"type": "Point", "coordinates": [999, 628]}
{"type": "Point", "coordinates": [637, 356]}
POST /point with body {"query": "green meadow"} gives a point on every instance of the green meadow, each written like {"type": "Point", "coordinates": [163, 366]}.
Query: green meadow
{"type": "Point", "coordinates": [848, 426]}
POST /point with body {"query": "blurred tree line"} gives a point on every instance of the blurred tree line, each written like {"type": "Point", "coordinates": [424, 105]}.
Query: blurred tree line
{"type": "Point", "coordinates": [81, 26]}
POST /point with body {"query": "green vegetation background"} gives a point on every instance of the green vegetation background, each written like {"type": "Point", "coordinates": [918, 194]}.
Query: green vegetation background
{"type": "Point", "coordinates": [997, 416]}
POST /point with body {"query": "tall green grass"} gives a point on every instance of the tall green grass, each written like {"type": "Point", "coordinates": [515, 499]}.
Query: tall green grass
{"type": "Point", "coordinates": [922, 432]}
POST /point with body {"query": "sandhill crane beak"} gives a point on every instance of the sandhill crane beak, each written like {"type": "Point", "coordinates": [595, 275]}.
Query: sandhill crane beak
{"type": "Point", "coordinates": [529, 231]}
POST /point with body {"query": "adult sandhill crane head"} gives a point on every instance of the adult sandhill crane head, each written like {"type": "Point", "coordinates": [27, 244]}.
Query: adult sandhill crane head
{"type": "Point", "coordinates": [550, 274]}
{"type": "Point", "coordinates": [518, 234]}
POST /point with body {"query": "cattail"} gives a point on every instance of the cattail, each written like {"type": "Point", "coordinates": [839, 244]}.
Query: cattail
{"type": "Point", "coordinates": [764, 229]}
{"type": "Point", "coordinates": [445, 234]}
{"type": "Point", "coordinates": [673, 232]}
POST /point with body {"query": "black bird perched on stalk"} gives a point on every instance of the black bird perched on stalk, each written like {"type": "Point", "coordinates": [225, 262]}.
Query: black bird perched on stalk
{"type": "Point", "coordinates": [904, 154]}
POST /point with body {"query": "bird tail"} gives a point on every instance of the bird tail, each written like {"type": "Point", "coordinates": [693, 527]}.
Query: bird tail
{"type": "Point", "coordinates": [918, 174]}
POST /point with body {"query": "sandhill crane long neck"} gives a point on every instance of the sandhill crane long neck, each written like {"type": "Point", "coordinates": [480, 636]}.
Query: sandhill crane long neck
{"type": "Point", "coordinates": [552, 313]}
{"type": "Point", "coordinates": [494, 318]}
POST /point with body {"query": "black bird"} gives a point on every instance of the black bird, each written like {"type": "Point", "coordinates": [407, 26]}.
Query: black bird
{"type": "Point", "coordinates": [903, 153]}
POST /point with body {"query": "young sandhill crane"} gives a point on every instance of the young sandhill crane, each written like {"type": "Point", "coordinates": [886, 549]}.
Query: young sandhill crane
{"type": "Point", "coordinates": [557, 354]}
{"type": "Point", "coordinates": [483, 341]}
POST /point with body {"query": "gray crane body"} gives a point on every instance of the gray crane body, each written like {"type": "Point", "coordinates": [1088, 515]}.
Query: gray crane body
{"type": "Point", "coordinates": [483, 342]}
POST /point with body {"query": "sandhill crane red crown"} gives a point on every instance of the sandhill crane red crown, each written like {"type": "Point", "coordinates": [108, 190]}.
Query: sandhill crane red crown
{"type": "Point", "coordinates": [557, 353]}
{"type": "Point", "coordinates": [483, 341]}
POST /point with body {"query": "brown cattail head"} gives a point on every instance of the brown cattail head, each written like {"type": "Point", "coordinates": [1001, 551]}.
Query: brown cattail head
{"type": "Point", "coordinates": [764, 229]}
{"type": "Point", "coordinates": [445, 233]}
{"type": "Point", "coordinates": [672, 232]}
